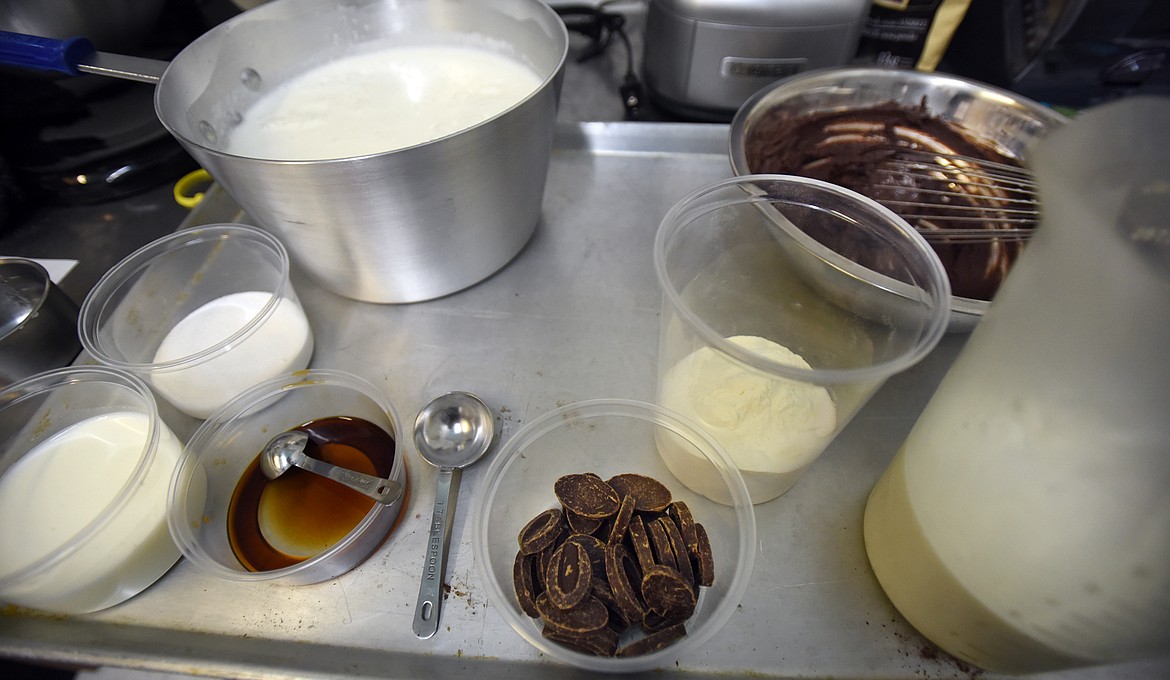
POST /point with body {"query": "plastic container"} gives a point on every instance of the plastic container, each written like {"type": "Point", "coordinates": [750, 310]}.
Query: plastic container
{"type": "Point", "coordinates": [84, 466]}
{"type": "Point", "coordinates": [202, 315]}
{"type": "Point", "coordinates": [226, 446]}
{"type": "Point", "coordinates": [772, 336]}
{"type": "Point", "coordinates": [1024, 525]}
{"type": "Point", "coordinates": [608, 437]}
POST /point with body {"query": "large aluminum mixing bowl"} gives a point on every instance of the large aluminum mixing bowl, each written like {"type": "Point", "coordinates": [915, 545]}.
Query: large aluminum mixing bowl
{"type": "Point", "coordinates": [400, 226]}
{"type": "Point", "coordinates": [1008, 121]}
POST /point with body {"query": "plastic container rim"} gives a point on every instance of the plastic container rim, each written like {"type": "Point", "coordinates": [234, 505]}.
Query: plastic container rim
{"type": "Point", "coordinates": [92, 311]}
{"type": "Point", "coordinates": [682, 213]}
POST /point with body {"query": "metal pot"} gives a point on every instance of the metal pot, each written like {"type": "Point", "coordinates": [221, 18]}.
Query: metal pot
{"type": "Point", "coordinates": [38, 322]}
{"type": "Point", "coordinates": [400, 226]}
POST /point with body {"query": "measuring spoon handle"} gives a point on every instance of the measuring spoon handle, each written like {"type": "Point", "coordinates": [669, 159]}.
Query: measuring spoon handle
{"type": "Point", "coordinates": [430, 592]}
{"type": "Point", "coordinates": [385, 491]}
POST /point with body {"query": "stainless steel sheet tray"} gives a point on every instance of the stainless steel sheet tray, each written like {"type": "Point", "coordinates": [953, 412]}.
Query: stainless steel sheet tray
{"type": "Point", "coordinates": [574, 316]}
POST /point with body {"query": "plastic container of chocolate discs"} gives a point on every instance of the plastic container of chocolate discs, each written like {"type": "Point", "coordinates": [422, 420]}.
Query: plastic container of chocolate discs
{"type": "Point", "coordinates": [610, 437]}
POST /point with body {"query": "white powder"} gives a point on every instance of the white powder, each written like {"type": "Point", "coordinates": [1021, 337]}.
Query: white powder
{"type": "Point", "coordinates": [771, 427]}
{"type": "Point", "coordinates": [381, 101]}
{"type": "Point", "coordinates": [282, 343]}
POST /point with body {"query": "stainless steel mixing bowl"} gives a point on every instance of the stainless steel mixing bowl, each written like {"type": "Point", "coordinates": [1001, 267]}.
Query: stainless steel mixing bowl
{"type": "Point", "coordinates": [400, 226]}
{"type": "Point", "coordinates": [1006, 120]}
{"type": "Point", "coordinates": [38, 322]}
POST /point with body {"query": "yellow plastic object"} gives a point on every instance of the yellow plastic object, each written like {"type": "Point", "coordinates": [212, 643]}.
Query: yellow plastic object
{"type": "Point", "coordinates": [187, 190]}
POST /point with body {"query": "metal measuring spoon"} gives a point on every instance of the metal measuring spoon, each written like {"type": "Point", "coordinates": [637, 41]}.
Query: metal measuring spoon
{"type": "Point", "coordinates": [288, 449]}
{"type": "Point", "coordinates": [451, 432]}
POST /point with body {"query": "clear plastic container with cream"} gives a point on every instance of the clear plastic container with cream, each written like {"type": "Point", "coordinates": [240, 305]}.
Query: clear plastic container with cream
{"type": "Point", "coordinates": [202, 315]}
{"type": "Point", "coordinates": [85, 462]}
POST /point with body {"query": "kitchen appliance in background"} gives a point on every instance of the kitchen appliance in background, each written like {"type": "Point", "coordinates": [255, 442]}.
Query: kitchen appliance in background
{"type": "Point", "coordinates": [1065, 52]}
{"type": "Point", "coordinates": [704, 58]}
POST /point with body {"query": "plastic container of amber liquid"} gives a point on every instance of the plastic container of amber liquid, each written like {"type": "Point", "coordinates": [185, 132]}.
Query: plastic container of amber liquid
{"type": "Point", "coordinates": [300, 528]}
{"type": "Point", "coordinates": [1024, 525]}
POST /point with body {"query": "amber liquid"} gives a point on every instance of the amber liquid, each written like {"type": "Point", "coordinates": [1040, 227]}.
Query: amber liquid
{"type": "Point", "coordinates": [278, 523]}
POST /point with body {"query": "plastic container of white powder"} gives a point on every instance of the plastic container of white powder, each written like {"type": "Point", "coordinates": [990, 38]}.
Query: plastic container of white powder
{"type": "Point", "coordinates": [201, 315]}
{"type": "Point", "coordinates": [786, 303]}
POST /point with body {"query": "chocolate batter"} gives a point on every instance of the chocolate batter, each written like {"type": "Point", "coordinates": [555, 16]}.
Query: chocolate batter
{"type": "Point", "coordinates": [856, 148]}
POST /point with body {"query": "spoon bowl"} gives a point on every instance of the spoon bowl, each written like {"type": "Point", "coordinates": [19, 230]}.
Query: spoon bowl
{"type": "Point", "coordinates": [287, 450]}
{"type": "Point", "coordinates": [277, 457]}
{"type": "Point", "coordinates": [451, 432]}
{"type": "Point", "coordinates": [454, 430]}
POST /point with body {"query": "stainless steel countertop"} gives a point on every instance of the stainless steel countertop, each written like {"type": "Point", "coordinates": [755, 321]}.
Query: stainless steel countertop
{"type": "Point", "coordinates": [574, 316]}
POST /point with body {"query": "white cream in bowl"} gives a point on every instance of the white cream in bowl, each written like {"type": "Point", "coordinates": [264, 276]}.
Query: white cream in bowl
{"type": "Point", "coordinates": [379, 101]}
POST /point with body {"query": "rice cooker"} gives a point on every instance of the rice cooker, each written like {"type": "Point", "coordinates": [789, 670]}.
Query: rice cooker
{"type": "Point", "coordinates": [704, 58]}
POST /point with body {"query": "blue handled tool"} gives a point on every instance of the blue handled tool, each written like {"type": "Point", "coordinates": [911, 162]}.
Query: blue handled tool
{"type": "Point", "coordinates": [75, 56]}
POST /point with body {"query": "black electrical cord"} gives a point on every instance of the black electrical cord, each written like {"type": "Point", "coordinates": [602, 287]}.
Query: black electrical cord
{"type": "Point", "coordinates": [600, 26]}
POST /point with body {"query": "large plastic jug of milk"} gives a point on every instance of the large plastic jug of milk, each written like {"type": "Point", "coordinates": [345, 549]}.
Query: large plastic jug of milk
{"type": "Point", "coordinates": [1025, 523]}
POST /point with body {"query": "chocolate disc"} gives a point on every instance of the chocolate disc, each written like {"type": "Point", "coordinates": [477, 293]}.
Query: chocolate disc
{"type": "Point", "coordinates": [682, 558]}
{"type": "Point", "coordinates": [665, 591]}
{"type": "Point", "coordinates": [654, 641]}
{"type": "Point", "coordinates": [704, 558]}
{"type": "Point", "coordinates": [587, 495]}
{"type": "Point", "coordinates": [640, 540]}
{"type": "Point", "coordinates": [541, 531]}
{"type": "Point", "coordinates": [621, 520]}
{"type": "Point", "coordinates": [601, 642]}
{"type": "Point", "coordinates": [653, 622]}
{"type": "Point", "coordinates": [583, 525]}
{"type": "Point", "coordinates": [601, 590]}
{"type": "Point", "coordinates": [569, 576]}
{"type": "Point", "coordinates": [663, 552]}
{"type": "Point", "coordinates": [589, 615]}
{"type": "Point", "coordinates": [524, 581]}
{"type": "Point", "coordinates": [625, 581]}
{"type": "Point", "coordinates": [594, 548]}
{"type": "Point", "coordinates": [617, 621]}
{"type": "Point", "coordinates": [681, 514]}
{"type": "Point", "coordinates": [650, 495]}
{"type": "Point", "coordinates": [542, 560]}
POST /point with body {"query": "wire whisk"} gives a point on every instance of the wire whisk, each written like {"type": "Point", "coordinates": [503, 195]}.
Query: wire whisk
{"type": "Point", "coordinates": [956, 198]}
